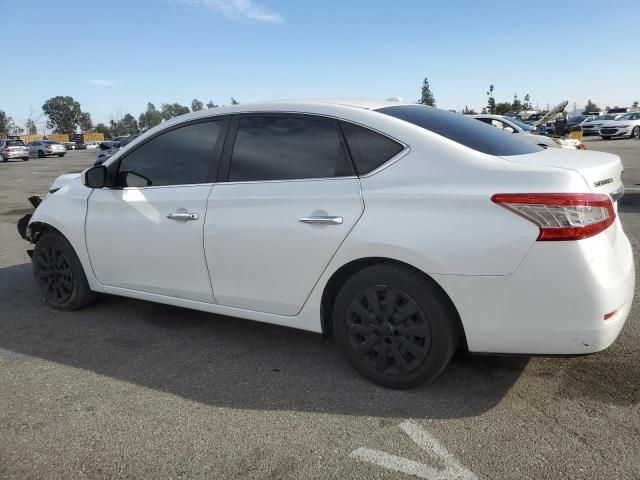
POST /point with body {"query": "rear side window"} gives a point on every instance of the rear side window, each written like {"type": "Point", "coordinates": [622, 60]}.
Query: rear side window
{"type": "Point", "coordinates": [287, 148]}
{"type": "Point", "coordinates": [369, 149]}
{"type": "Point", "coordinates": [465, 131]}
{"type": "Point", "coordinates": [181, 156]}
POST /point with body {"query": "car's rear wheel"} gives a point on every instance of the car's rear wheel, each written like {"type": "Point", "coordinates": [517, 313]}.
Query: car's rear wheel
{"type": "Point", "coordinates": [394, 326]}
{"type": "Point", "coordinates": [59, 273]}
{"type": "Point", "coordinates": [41, 154]}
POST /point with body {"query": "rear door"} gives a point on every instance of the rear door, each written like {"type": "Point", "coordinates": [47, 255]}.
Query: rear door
{"type": "Point", "coordinates": [286, 198]}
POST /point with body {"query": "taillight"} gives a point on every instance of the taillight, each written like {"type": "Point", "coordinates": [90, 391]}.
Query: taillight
{"type": "Point", "coordinates": [561, 216]}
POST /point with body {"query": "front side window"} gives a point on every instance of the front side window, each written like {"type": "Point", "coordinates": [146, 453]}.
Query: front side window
{"type": "Point", "coordinates": [287, 148]}
{"type": "Point", "coordinates": [181, 156]}
{"type": "Point", "coordinates": [463, 130]}
{"type": "Point", "coordinates": [369, 149]}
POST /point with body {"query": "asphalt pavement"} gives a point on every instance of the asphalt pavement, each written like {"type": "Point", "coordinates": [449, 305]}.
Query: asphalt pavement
{"type": "Point", "coordinates": [132, 389]}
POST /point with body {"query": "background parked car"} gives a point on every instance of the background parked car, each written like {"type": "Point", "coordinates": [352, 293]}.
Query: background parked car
{"type": "Point", "coordinates": [45, 148]}
{"type": "Point", "coordinates": [628, 125]}
{"type": "Point", "coordinates": [574, 122]}
{"type": "Point", "coordinates": [592, 127]}
{"type": "Point", "coordinates": [106, 149]}
{"type": "Point", "coordinates": [524, 131]}
{"type": "Point", "coordinates": [80, 146]}
{"type": "Point", "coordinates": [13, 149]}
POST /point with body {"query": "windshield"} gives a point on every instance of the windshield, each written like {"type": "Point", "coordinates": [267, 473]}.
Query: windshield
{"type": "Point", "coordinates": [577, 119]}
{"type": "Point", "coordinates": [463, 130]}
{"type": "Point", "coordinates": [626, 117]}
{"type": "Point", "coordinates": [15, 143]}
{"type": "Point", "coordinates": [605, 117]}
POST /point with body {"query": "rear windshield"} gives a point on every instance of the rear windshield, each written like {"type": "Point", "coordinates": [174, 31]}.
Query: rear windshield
{"type": "Point", "coordinates": [15, 143]}
{"type": "Point", "coordinates": [466, 131]}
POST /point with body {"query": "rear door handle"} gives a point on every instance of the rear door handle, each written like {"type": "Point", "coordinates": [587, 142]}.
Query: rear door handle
{"type": "Point", "coordinates": [322, 220]}
{"type": "Point", "coordinates": [183, 216]}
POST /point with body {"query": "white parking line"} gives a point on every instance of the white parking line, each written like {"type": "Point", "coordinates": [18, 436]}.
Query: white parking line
{"type": "Point", "coordinates": [451, 468]}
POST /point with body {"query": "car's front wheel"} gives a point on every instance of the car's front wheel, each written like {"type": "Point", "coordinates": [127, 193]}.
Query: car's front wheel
{"type": "Point", "coordinates": [605, 138]}
{"type": "Point", "coordinates": [25, 159]}
{"type": "Point", "coordinates": [59, 273]}
{"type": "Point", "coordinates": [61, 155]}
{"type": "Point", "coordinates": [394, 326]}
{"type": "Point", "coordinates": [635, 133]}
{"type": "Point", "coordinates": [41, 154]}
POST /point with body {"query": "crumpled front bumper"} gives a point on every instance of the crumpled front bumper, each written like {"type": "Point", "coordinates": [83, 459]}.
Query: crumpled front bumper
{"type": "Point", "coordinates": [23, 223]}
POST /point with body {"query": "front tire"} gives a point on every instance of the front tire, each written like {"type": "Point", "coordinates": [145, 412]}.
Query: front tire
{"type": "Point", "coordinates": [605, 138]}
{"type": "Point", "coordinates": [61, 155]}
{"type": "Point", "coordinates": [25, 159]}
{"type": "Point", "coordinates": [635, 133]}
{"type": "Point", "coordinates": [59, 273]}
{"type": "Point", "coordinates": [41, 154]}
{"type": "Point", "coordinates": [395, 326]}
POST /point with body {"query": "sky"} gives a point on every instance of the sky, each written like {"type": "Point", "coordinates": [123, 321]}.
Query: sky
{"type": "Point", "coordinates": [115, 56]}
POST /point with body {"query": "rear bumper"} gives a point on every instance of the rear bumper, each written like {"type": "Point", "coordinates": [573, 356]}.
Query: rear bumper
{"type": "Point", "coordinates": [555, 302]}
{"type": "Point", "coordinates": [15, 154]}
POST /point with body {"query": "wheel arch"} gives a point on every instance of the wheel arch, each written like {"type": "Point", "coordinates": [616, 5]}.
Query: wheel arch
{"type": "Point", "coordinates": [342, 274]}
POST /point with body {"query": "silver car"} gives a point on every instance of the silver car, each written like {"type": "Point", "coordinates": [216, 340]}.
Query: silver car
{"type": "Point", "coordinates": [44, 148]}
{"type": "Point", "coordinates": [13, 149]}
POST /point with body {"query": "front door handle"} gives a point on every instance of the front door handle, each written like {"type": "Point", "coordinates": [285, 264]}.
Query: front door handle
{"type": "Point", "coordinates": [183, 216]}
{"type": "Point", "coordinates": [322, 220]}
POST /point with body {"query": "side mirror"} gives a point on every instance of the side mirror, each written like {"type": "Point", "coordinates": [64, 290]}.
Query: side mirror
{"type": "Point", "coordinates": [95, 177]}
{"type": "Point", "coordinates": [509, 130]}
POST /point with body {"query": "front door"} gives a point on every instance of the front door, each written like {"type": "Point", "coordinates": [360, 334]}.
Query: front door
{"type": "Point", "coordinates": [145, 234]}
{"type": "Point", "coordinates": [289, 200]}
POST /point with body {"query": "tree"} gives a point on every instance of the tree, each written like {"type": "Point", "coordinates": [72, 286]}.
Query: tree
{"type": "Point", "coordinates": [86, 124]}
{"type": "Point", "coordinates": [590, 107]}
{"type": "Point", "coordinates": [31, 126]}
{"type": "Point", "coordinates": [210, 104]}
{"type": "Point", "coordinates": [491, 103]}
{"type": "Point", "coordinates": [527, 102]}
{"type": "Point", "coordinates": [150, 118]}
{"type": "Point", "coordinates": [517, 104]}
{"type": "Point", "coordinates": [468, 111]}
{"type": "Point", "coordinates": [103, 129]}
{"type": "Point", "coordinates": [484, 110]}
{"type": "Point", "coordinates": [63, 114]}
{"type": "Point", "coordinates": [128, 125]}
{"type": "Point", "coordinates": [171, 110]}
{"type": "Point", "coordinates": [635, 104]}
{"type": "Point", "coordinates": [427, 98]}
{"type": "Point", "coordinates": [6, 123]}
{"type": "Point", "coordinates": [196, 105]}
{"type": "Point", "coordinates": [502, 108]}
{"type": "Point", "coordinates": [234, 101]}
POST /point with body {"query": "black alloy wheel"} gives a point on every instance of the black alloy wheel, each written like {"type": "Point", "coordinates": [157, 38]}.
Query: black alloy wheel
{"type": "Point", "coordinates": [53, 274]}
{"type": "Point", "coordinates": [388, 330]}
{"type": "Point", "coordinates": [395, 325]}
{"type": "Point", "coordinates": [59, 273]}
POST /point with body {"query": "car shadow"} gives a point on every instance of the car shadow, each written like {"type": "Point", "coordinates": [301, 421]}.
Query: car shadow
{"type": "Point", "coordinates": [230, 362]}
{"type": "Point", "coordinates": [629, 203]}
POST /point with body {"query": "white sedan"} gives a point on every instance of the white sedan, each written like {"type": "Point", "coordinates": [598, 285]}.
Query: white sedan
{"type": "Point", "coordinates": [524, 131]}
{"type": "Point", "coordinates": [402, 230]}
{"type": "Point", "coordinates": [628, 125]}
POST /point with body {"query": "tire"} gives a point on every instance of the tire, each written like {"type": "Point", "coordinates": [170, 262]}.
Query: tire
{"type": "Point", "coordinates": [61, 155]}
{"type": "Point", "coordinates": [415, 341]}
{"type": "Point", "coordinates": [25, 159]}
{"type": "Point", "coordinates": [605, 138]}
{"type": "Point", "coordinates": [59, 273]}
{"type": "Point", "coordinates": [41, 154]}
{"type": "Point", "coordinates": [635, 133]}
{"type": "Point", "coordinates": [4, 159]}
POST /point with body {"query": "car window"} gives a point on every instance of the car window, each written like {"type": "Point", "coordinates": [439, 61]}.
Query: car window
{"type": "Point", "coordinates": [369, 149]}
{"type": "Point", "coordinates": [15, 143]}
{"type": "Point", "coordinates": [463, 130]}
{"type": "Point", "coordinates": [181, 156]}
{"type": "Point", "coordinates": [287, 148]}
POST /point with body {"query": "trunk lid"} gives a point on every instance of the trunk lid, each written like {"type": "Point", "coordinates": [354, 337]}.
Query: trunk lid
{"type": "Point", "coordinates": [602, 171]}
